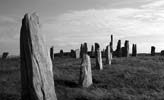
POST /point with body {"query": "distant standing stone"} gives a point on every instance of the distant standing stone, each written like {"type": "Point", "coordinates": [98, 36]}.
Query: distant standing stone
{"type": "Point", "coordinates": [98, 57]}
{"type": "Point", "coordinates": [85, 72]}
{"type": "Point", "coordinates": [52, 53]}
{"type": "Point", "coordinates": [118, 51]}
{"type": "Point", "coordinates": [36, 66]}
{"type": "Point", "coordinates": [77, 53]}
{"type": "Point", "coordinates": [126, 45]}
{"type": "Point", "coordinates": [61, 53]}
{"type": "Point", "coordinates": [162, 53]}
{"type": "Point", "coordinates": [152, 51]}
{"type": "Point", "coordinates": [108, 55]}
{"type": "Point", "coordinates": [134, 50]}
{"type": "Point", "coordinates": [4, 55]}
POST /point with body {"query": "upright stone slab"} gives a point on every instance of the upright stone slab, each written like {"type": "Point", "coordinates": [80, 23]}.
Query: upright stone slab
{"type": "Point", "coordinates": [52, 53]}
{"type": "Point", "coordinates": [152, 51]}
{"type": "Point", "coordinates": [77, 53]}
{"type": "Point", "coordinates": [85, 72]}
{"type": "Point", "coordinates": [4, 55]}
{"type": "Point", "coordinates": [36, 66]}
{"type": "Point", "coordinates": [108, 55]}
{"type": "Point", "coordinates": [98, 57]}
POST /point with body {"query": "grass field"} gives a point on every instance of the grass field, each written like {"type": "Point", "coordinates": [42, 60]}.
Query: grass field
{"type": "Point", "coordinates": [133, 78]}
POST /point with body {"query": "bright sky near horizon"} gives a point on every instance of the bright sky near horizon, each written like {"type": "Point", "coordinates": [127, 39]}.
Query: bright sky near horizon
{"type": "Point", "coordinates": [68, 23]}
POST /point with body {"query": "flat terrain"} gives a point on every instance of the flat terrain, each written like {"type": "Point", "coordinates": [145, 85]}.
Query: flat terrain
{"type": "Point", "coordinates": [133, 78]}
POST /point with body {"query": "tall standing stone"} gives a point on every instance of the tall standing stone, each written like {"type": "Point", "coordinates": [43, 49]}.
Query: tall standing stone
{"type": "Point", "coordinates": [52, 53]}
{"type": "Point", "coordinates": [85, 72]}
{"type": "Point", "coordinates": [77, 53]}
{"type": "Point", "coordinates": [126, 45]}
{"type": "Point", "coordinates": [111, 44]}
{"type": "Point", "coordinates": [98, 57]}
{"type": "Point", "coordinates": [118, 51]}
{"type": "Point", "coordinates": [4, 55]}
{"type": "Point", "coordinates": [108, 55]}
{"type": "Point", "coordinates": [36, 66]}
{"type": "Point", "coordinates": [152, 51]}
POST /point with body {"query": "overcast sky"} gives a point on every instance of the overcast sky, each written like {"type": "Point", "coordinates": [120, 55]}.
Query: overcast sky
{"type": "Point", "coordinates": [68, 23]}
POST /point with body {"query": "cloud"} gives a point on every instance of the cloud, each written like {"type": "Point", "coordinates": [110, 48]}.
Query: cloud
{"type": "Point", "coordinates": [154, 4]}
{"type": "Point", "coordinates": [96, 25]}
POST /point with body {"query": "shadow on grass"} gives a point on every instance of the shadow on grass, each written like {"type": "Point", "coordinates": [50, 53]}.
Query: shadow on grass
{"type": "Point", "coordinates": [66, 83]}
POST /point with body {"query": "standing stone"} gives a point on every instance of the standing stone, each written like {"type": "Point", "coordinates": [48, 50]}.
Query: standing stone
{"type": "Point", "coordinates": [108, 55]}
{"type": "Point", "coordinates": [152, 51]}
{"type": "Point", "coordinates": [118, 51]}
{"type": "Point", "coordinates": [111, 44]}
{"type": "Point", "coordinates": [85, 48]}
{"type": "Point", "coordinates": [52, 53]}
{"type": "Point", "coordinates": [4, 55]}
{"type": "Point", "coordinates": [92, 51]}
{"type": "Point", "coordinates": [162, 53]}
{"type": "Point", "coordinates": [77, 53]}
{"type": "Point", "coordinates": [81, 51]}
{"type": "Point", "coordinates": [126, 45]}
{"type": "Point", "coordinates": [72, 53]}
{"type": "Point", "coordinates": [98, 57]}
{"type": "Point", "coordinates": [36, 66]}
{"type": "Point", "coordinates": [61, 53]}
{"type": "Point", "coordinates": [134, 50]}
{"type": "Point", "coordinates": [123, 50]}
{"type": "Point", "coordinates": [85, 72]}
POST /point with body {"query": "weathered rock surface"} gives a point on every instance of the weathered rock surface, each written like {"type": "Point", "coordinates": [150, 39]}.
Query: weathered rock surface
{"type": "Point", "coordinates": [85, 72]}
{"type": "Point", "coordinates": [36, 66]}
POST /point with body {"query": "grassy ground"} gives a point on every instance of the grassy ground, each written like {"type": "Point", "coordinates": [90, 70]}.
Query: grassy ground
{"type": "Point", "coordinates": [133, 78]}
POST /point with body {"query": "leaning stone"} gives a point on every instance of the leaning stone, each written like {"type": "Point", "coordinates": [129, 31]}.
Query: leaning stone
{"type": "Point", "coordinates": [36, 66]}
{"type": "Point", "coordinates": [85, 72]}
